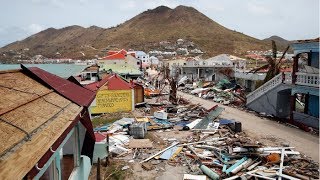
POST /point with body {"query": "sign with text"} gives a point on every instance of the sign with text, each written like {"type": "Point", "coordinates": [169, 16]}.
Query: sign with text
{"type": "Point", "coordinates": [108, 101]}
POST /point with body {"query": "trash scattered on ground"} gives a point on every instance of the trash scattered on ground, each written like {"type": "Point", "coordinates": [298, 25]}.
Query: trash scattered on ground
{"type": "Point", "coordinates": [190, 136]}
{"type": "Point", "coordinates": [224, 92]}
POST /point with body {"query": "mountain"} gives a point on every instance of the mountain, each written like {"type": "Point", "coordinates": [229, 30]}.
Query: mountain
{"type": "Point", "coordinates": [142, 32]}
{"type": "Point", "coordinates": [278, 40]}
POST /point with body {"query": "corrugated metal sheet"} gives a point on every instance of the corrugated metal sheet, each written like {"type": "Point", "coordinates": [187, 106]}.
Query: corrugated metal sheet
{"type": "Point", "coordinates": [69, 90]}
{"type": "Point", "coordinates": [110, 82]}
{"type": "Point", "coordinates": [203, 124]}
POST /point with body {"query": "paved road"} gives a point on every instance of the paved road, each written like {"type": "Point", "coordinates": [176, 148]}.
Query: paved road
{"type": "Point", "coordinates": [266, 130]}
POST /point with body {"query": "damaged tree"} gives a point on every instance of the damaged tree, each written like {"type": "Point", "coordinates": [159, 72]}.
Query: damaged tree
{"type": "Point", "coordinates": [274, 65]}
{"type": "Point", "coordinates": [173, 85]}
{"type": "Point", "coordinates": [173, 91]}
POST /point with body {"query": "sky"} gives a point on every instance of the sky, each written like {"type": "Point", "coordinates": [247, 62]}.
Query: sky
{"type": "Point", "coordinates": [289, 19]}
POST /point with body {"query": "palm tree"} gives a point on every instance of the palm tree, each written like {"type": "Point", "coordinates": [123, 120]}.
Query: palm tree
{"type": "Point", "coordinates": [274, 65]}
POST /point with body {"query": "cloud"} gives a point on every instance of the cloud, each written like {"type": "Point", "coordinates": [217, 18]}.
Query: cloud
{"type": "Point", "coordinates": [128, 5]}
{"type": "Point", "coordinates": [155, 3]}
{"type": "Point", "coordinates": [55, 3]}
{"type": "Point", "coordinates": [9, 34]}
{"type": "Point", "coordinates": [209, 5]}
{"type": "Point", "coordinates": [34, 28]}
{"type": "Point", "coordinates": [83, 1]}
{"type": "Point", "coordinates": [258, 8]}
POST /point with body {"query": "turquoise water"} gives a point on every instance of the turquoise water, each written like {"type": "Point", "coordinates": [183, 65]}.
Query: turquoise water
{"type": "Point", "coordinates": [62, 70]}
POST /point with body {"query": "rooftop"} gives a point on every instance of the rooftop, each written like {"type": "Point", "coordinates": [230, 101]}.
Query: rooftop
{"type": "Point", "coordinates": [110, 82]}
{"type": "Point", "coordinates": [32, 118]}
{"type": "Point", "coordinates": [122, 69]}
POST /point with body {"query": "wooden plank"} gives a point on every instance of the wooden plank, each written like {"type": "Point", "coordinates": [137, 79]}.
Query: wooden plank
{"type": "Point", "coordinates": [3, 111]}
{"type": "Point", "coordinates": [20, 162]}
{"type": "Point", "coordinates": [21, 82]}
{"type": "Point", "coordinates": [140, 143]}
{"type": "Point", "coordinates": [29, 118]}
{"type": "Point", "coordinates": [16, 89]}
{"type": "Point", "coordinates": [9, 136]}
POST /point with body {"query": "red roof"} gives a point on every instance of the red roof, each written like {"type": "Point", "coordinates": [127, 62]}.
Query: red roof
{"type": "Point", "coordinates": [112, 55]}
{"type": "Point", "coordinates": [99, 136]}
{"type": "Point", "coordinates": [69, 90]}
{"type": "Point", "coordinates": [112, 81]}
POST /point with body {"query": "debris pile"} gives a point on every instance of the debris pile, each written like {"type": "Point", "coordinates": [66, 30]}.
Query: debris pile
{"type": "Point", "coordinates": [224, 92]}
{"type": "Point", "coordinates": [206, 145]}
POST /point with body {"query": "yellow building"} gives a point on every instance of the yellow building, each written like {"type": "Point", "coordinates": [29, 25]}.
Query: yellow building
{"type": "Point", "coordinates": [113, 94]}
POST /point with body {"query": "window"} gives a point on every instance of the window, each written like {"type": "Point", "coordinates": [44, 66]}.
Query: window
{"type": "Point", "coordinates": [88, 76]}
{"type": "Point", "coordinates": [138, 63]}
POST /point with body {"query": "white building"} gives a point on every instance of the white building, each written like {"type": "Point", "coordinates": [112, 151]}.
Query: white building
{"type": "Point", "coordinates": [154, 60]}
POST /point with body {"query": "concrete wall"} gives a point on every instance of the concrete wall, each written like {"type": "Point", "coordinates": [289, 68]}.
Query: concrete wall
{"type": "Point", "coordinates": [204, 73]}
{"type": "Point", "coordinates": [313, 105]}
{"type": "Point", "coordinates": [268, 102]}
{"type": "Point", "coordinates": [306, 119]}
{"type": "Point", "coordinates": [250, 85]}
{"type": "Point", "coordinates": [109, 101]}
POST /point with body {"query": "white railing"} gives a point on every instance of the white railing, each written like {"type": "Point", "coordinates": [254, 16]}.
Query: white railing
{"type": "Point", "coordinates": [307, 79]}
{"type": "Point", "coordinates": [275, 81]}
{"type": "Point", "coordinates": [287, 77]}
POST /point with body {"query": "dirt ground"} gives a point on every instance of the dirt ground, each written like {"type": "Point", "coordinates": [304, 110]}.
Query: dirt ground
{"type": "Point", "coordinates": [267, 131]}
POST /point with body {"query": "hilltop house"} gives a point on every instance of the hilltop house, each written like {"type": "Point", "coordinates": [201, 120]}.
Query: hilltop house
{"type": "Point", "coordinates": [120, 58]}
{"type": "Point", "coordinates": [145, 59]}
{"type": "Point", "coordinates": [182, 51]}
{"type": "Point", "coordinates": [122, 63]}
{"type": "Point", "coordinates": [45, 127]}
{"type": "Point", "coordinates": [154, 61]}
{"type": "Point", "coordinates": [155, 53]}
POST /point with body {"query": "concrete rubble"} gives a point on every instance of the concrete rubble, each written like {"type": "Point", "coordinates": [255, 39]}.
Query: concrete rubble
{"type": "Point", "coordinates": [187, 135]}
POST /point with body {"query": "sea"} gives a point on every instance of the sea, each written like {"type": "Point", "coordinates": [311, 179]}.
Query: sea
{"type": "Point", "coordinates": [62, 70]}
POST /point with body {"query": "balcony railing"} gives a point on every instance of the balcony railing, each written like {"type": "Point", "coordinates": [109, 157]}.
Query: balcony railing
{"type": "Point", "coordinates": [287, 77]}
{"type": "Point", "coordinates": [307, 79]}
